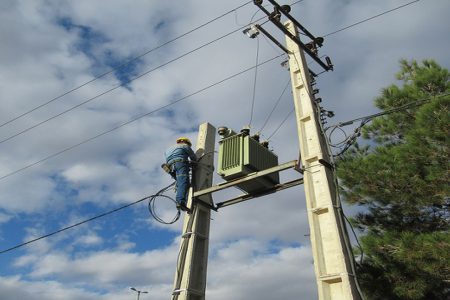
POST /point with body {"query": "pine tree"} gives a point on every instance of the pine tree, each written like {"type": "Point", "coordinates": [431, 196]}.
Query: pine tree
{"type": "Point", "coordinates": [401, 179]}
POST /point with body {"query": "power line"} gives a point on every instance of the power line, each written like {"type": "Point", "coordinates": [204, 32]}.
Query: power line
{"type": "Point", "coordinates": [390, 111]}
{"type": "Point", "coordinates": [123, 64]}
{"type": "Point", "coordinates": [368, 19]}
{"type": "Point", "coordinates": [120, 85]}
{"type": "Point", "coordinates": [342, 29]}
{"type": "Point", "coordinates": [275, 106]}
{"type": "Point", "coordinates": [254, 81]}
{"type": "Point", "coordinates": [348, 141]}
{"type": "Point", "coordinates": [88, 140]}
{"type": "Point", "coordinates": [282, 122]}
{"type": "Point", "coordinates": [151, 209]}
{"type": "Point", "coordinates": [134, 119]}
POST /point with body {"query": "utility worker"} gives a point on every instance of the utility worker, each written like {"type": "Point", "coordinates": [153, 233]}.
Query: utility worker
{"type": "Point", "coordinates": [177, 159]}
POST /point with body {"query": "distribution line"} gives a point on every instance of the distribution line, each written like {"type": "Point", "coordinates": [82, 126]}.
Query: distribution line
{"type": "Point", "coordinates": [389, 111]}
{"type": "Point", "coordinates": [120, 85]}
{"type": "Point", "coordinates": [368, 19]}
{"type": "Point", "coordinates": [254, 82]}
{"type": "Point", "coordinates": [134, 119]}
{"type": "Point", "coordinates": [282, 122]}
{"type": "Point", "coordinates": [72, 226]}
{"type": "Point", "coordinates": [345, 28]}
{"type": "Point", "coordinates": [275, 106]}
{"type": "Point", "coordinates": [123, 64]}
{"type": "Point", "coordinates": [74, 146]}
{"type": "Point", "coordinates": [151, 204]}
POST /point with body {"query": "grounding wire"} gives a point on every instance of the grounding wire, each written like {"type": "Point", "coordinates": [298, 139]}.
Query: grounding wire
{"type": "Point", "coordinates": [133, 120]}
{"type": "Point", "coordinates": [120, 85]}
{"type": "Point", "coordinates": [159, 193]}
{"type": "Point", "coordinates": [124, 64]}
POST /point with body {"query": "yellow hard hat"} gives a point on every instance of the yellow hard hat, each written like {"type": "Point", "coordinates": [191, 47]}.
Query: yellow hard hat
{"type": "Point", "coordinates": [184, 140]}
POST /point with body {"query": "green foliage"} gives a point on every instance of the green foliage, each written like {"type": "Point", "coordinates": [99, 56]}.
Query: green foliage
{"type": "Point", "coordinates": [401, 178]}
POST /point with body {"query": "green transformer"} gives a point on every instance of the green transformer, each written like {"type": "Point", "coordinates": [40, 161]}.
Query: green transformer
{"type": "Point", "coordinates": [241, 154]}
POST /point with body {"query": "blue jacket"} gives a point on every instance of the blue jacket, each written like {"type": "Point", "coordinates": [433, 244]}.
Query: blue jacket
{"type": "Point", "coordinates": [179, 152]}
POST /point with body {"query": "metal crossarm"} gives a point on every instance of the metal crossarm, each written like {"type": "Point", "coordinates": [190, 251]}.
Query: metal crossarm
{"type": "Point", "coordinates": [251, 176]}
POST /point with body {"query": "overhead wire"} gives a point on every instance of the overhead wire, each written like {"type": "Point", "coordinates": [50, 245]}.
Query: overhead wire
{"type": "Point", "coordinates": [74, 146]}
{"type": "Point", "coordinates": [275, 106]}
{"type": "Point", "coordinates": [134, 119]}
{"type": "Point", "coordinates": [281, 124]}
{"type": "Point", "coordinates": [151, 208]}
{"type": "Point", "coordinates": [348, 141]}
{"type": "Point", "coordinates": [355, 24]}
{"type": "Point", "coordinates": [120, 85]}
{"type": "Point", "coordinates": [368, 19]}
{"type": "Point", "coordinates": [152, 205]}
{"type": "Point", "coordinates": [124, 64]}
{"type": "Point", "coordinates": [254, 82]}
{"type": "Point", "coordinates": [152, 211]}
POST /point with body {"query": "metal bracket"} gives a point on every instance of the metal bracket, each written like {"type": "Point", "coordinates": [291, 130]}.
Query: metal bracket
{"type": "Point", "coordinates": [246, 197]}
{"type": "Point", "coordinates": [326, 164]}
{"type": "Point", "coordinates": [277, 23]}
{"type": "Point", "coordinates": [289, 165]}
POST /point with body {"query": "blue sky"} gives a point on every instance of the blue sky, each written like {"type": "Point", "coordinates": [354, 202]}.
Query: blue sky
{"type": "Point", "coordinates": [258, 249]}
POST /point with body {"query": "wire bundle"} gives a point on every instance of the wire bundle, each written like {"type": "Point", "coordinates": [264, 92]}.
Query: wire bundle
{"type": "Point", "coordinates": [152, 207]}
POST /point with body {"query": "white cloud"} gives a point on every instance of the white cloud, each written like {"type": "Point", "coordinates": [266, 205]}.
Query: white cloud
{"type": "Point", "coordinates": [258, 248]}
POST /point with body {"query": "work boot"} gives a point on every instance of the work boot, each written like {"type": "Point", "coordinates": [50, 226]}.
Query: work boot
{"type": "Point", "coordinates": [182, 206]}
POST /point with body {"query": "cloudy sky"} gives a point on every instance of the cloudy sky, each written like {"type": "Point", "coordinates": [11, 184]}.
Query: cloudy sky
{"type": "Point", "coordinates": [68, 150]}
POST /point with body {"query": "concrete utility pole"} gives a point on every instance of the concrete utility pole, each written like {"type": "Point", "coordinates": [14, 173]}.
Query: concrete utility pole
{"type": "Point", "coordinates": [329, 238]}
{"type": "Point", "coordinates": [190, 277]}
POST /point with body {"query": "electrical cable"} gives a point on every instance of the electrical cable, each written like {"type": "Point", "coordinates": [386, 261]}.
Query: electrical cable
{"type": "Point", "coordinates": [358, 23]}
{"type": "Point", "coordinates": [361, 258]}
{"type": "Point", "coordinates": [345, 144]}
{"type": "Point", "coordinates": [368, 19]}
{"type": "Point", "coordinates": [119, 85]}
{"type": "Point", "coordinates": [152, 205]}
{"type": "Point", "coordinates": [293, 109]}
{"type": "Point", "coordinates": [124, 64]}
{"type": "Point", "coordinates": [254, 82]}
{"type": "Point", "coordinates": [151, 208]}
{"type": "Point", "coordinates": [159, 193]}
{"type": "Point", "coordinates": [69, 148]}
{"type": "Point", "coordinates": [279, 126]}
{"type": "Point", "coordinates": [133, 120]}
{"type": "Point", "coordinates": [275, 106]}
